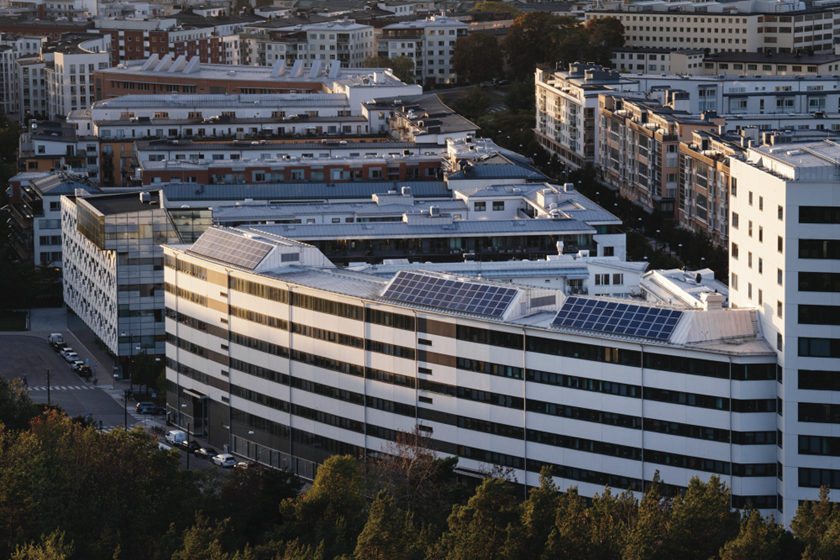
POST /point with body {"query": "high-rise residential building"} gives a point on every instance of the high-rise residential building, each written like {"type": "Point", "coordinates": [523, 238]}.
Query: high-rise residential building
{"type": "Point", "coordinates": [784, 239]}
{"type": "Point", "coordinates": [430, 43]}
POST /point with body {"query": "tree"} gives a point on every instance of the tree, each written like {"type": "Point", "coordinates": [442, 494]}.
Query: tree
{"type": "Point", "coordinates": [16, 406]}
{"type": "Point", "coordinates": [472, 104]}
{"type": "Point", "coordinates": [604, 34]}
{"type": "Point", "coordinates": [145, 369]}
{"type": "Point", "coordinates": [520, 96]}
{"type": "Point", "coordinates": [421, 483]}
{"type": "Point", "coordinates": [496, 7]}
{"type": "Point", "coordinates": [478, 57]}
{"type": "Point", "coordinates": [817, 525]}
{"type": "Point", "coordinates": [205, 540]}
{"type": "Point", "coordinates": [332, 512]}
{"type": "Point", "coordinates": [529, 42]}
{"type": "Point", "coordinates": [569, 537]}
{"type": "Point", "coordinates": [488, 527]}
{"type": "Point", "coordinates": [401, 66]}
{"type": "Point", "coordinates": [702, 521]}
{"type": "Point", "coordinates": [538, 515]}
{"type": "Point", "coordinates": [761, 539]}
{"type": "Point", "coordinates": [50, 547]}
{"type": "Point", "coordinates": [647, 537]}
{"type": "Point", "coordinates": [389, 533]}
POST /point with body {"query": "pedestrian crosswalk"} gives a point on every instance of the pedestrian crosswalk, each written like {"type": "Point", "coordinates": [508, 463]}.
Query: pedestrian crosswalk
{"type": "Point", "coordinates": [62, 388]}
{"type": "Point", "coordinates": [496, 107]}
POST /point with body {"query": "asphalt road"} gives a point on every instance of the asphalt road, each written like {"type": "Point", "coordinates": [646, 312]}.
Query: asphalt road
{"type": "Point", "coordinates": [31, 357]}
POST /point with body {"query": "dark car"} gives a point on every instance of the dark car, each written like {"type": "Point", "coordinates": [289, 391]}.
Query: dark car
{"type": "Point", "coordinates": [84, 371]}
{"type": "Point", "coordinates": [146, 408]}
{"type": "Point", "coordinates": [206, 453]}
{"type": "Point", "coordinates": [191, 446]}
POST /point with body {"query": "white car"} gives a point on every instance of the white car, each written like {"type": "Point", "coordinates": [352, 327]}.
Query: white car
{"type": "Point", "coordinates": [65, 351]}
{"type": "Point", "coordinates": [71, 357]}
{"type": "Point", "coordinates": [224, 460]}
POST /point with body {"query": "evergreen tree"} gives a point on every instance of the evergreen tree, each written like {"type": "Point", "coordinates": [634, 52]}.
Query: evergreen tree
{"type": "Point", "coordinates": [332, 512]}
{"type": "Point", "coordinates": [538, 515]}
{"type": "Point", "coordinates": [648, 535]}
{"type": "Point", "coordinates": [570, 536]}
{"type": "Point", "coordinates": [389, 533]}
{"type": "Point", "coordinates": [702, 521]}
{"type": "Point", "coordinates": [817, 526]}
{"type": "Point", "coordinates": [51, 547]}
{"type": "Point", "coordinates": [488, 527]}
{"type": "Point", "coordinates": [760, 539]}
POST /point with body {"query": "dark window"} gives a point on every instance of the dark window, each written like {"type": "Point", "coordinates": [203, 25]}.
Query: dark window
{"type": "Point", "coordinates": [819, 314]}
{"type": "Point", "coordinates": [819, 249]}
{"type": "Point", "coordinates": [819, 413]}
{"type": "Point", "coordinates": [819, 380]}
{"type": "Point", "coordinates": [819, 282]}
{"type": "Point", "coordinates": [818, 214]}
{"type": "Point", "coordinates": [819, 347]}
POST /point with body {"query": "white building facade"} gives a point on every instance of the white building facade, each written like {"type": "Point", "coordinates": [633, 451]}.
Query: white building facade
{"type": "Point", "coordinates": [784, 236]}
{"type": "Point", "coordinates": [286, 362]}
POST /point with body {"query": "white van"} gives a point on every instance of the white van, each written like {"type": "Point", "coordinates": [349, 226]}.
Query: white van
{"type": "Point", "coordinates": [55, 338]}
{"type": "Point", "coordinates": [175, 437]}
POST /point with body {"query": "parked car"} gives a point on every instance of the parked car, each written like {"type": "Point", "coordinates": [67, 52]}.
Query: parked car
{"type": "Point", "coordinates": [206, 453]}
{"type": "Point", "coordinates": [146, 408]}
{"type": "Point", "coordinates": [70, 357]}
{"type": "Point", "coordinates": [64, 351]}
{"type": "Point", "coordinates": [59, 346]}
{"type": "Point", "coordinates": [76, 365]}
{"type": "Point", "coordinates": [224, 460]}
{"type": "Point", "coordinates": [190, 446]}
{"type": "Point", "coordinates": [84, 371]}
{"type": "Point", "coordinates": [242, 466]}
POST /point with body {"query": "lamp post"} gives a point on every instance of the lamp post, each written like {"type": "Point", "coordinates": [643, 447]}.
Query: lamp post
{"type": "Point", "coordinates": [680, 249]}
{"type": "Point", "coordinates": [184, 405]}
{"type": "Point", "coordinates": [125, 409]}
{"type": "Point", "coordinates": [130, 357]}
{"type": "Point", "coordinates": [259, 450]}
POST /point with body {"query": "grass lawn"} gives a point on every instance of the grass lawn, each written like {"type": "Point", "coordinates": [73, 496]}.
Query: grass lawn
{"type": "Point", "coordinates": [13, 321]}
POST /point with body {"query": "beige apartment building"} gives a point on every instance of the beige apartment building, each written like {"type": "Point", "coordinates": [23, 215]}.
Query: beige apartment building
{"type": "Point", "coordinates": [639, 147]}
{"type": "Point", "coordinates": [750, 26]}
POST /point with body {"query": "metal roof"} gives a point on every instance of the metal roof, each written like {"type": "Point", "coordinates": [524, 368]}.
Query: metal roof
{"type": "Point", "coordinates": [199, 101]}
{"type": "Point", "coordinates": [300, 191]}
{"type": "Point", "coordinates": [457, 228]}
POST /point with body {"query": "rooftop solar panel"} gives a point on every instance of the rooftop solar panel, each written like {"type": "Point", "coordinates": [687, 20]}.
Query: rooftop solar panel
{"type": "Point", "coordinates": [230, 248]}
{"type": "Point", "coordinates": [617, 318]}
{"type": "Point", "coordinates": [456, 295]}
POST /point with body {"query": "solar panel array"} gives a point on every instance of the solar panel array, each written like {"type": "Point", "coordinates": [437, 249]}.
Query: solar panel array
{"type": "Point", "coordinates": [617, 318]}
{"type": "Point", "coordinates": [231, 248]}
{"type": "Point", "coordinates": [456, 295]}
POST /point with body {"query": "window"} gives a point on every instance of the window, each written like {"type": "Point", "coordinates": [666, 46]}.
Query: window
{"type": "Point", "coordinates": [760, 297]}
{"type": "Point", "coordinates": [750, 198]}
{"type": "Point", "coordinates": [781, 213]}
{"type": "Point", "coordinates": [498, 205]}
{"type": "Point", "coordinates": [779, 306]}
{"type": "Point", "coordinates": [749, 228]}
{"type": "Point", "coordinates": [735, 251]}
{"type": "Point", "coordinates": [734, 220]}
{"type": "Point", "coordinates": [760, 234]}
{"type": "Point", "coordinates": [760, 265]}
{"type": "Point", "coordinates": [780, 244]}
{"type": "Point", "coordinates": [609, 251]}
{"type": "Point", "coordinates": [618, 279]}
{"type": "Point", "coordinates": [734, 281]}
{"type": "Point", "coordinates": [779, 276]}
{"type": "Point", "coordinates": [761, 203]}
{"type": "Point", "coordinates": [749, 290]}
{"type": "Point", "coordinates": [480, 206]}
{"type": "Point", "coordinates": [749, 259]}
{"type": "Point", "coordinates": [602, 279]}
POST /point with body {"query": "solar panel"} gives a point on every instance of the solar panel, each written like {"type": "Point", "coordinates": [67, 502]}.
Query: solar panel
{"type": "Point", "coordinates": [456, 295]}
{"type": "Point", "coordinates": [617, 318]}
{"type": "Point", "coordinates": [230, 248]}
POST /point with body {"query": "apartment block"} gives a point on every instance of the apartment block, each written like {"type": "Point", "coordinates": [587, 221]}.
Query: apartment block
{"type": "Point", "coordinates": [784, 216]}
{"type": "Point", "coordinates": [639, 148]}
{"type": "Point", "coordinates": [745, 26]}
{"type": "Point", "coordinates": [430, 43]}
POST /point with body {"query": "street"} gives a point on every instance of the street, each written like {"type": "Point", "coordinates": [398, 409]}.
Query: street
{"type": "Point", "coordinates": [31, 356]}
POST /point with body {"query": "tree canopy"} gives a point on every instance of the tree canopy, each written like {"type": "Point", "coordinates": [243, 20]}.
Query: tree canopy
{"type": "Point", "coordinates": [541, 38]}
{"type": "Point", "coordinates": [69, 492]}
{"type": "Point", "coordinates": [478, 57]}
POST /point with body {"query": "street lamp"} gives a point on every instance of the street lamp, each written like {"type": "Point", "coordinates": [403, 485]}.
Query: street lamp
{"type": "Point", "coordinates": [131, 357]}
{"type": "Point", "coordinates": [259, 450]}
{"type": "Point", "coordinates": [680, 248]}
{"type": "Point", "coordinates": [184, 405]}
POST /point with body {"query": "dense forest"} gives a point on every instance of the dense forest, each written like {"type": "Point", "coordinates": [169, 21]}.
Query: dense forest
{"type": "Point", "coordinates": [70, 492]}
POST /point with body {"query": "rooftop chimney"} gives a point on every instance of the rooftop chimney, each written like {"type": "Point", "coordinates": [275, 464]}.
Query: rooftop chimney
{"type": "Point", "coordinates": [712, 301]}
